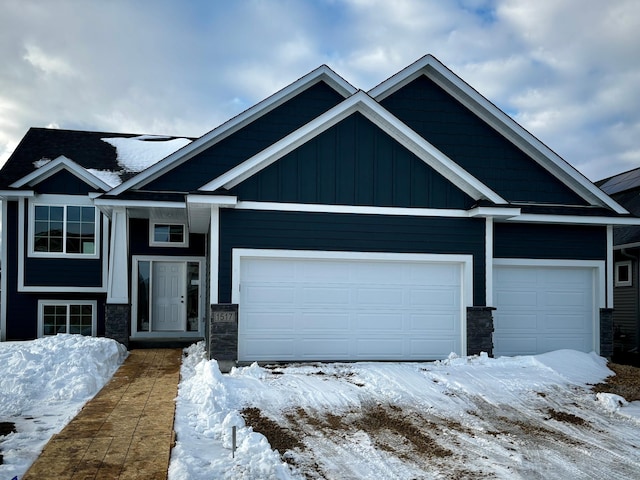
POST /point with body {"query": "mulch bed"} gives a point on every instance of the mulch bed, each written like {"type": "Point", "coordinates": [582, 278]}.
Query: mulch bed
{"type": "Point", "coordinates": [625, 382]}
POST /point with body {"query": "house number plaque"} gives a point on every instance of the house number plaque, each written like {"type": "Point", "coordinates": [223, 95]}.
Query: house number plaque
{"type": "Point", "coordinates": [227, 313]}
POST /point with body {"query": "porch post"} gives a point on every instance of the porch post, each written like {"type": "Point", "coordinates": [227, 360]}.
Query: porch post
{"type": "Point", "coordinates": [118, 308]}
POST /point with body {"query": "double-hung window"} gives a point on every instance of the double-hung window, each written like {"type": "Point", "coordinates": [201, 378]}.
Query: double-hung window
{"type": "Point", "coordinates": [63, 230]}
{"type": "Point", "coordinates": [61, 316]}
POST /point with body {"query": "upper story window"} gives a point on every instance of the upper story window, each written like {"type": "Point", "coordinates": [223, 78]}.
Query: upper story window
{"type": "Point", "coordinates": [168, 234]}
{"type": "Point", "coordinates": [61, 230]}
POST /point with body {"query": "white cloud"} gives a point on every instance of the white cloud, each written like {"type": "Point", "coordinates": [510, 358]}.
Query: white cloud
{"type": "Point", "coordinates": [567, 70]}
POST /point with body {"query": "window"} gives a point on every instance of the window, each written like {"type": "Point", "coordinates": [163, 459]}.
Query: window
{"type": "Point", "coordinates": [60, 316]}
{"type": "Point", "coordinates": [64, 229]}
{"type": "Point", "coordinates": [623, 276]}
{"type": "Point", "coordinates": [168, 234]}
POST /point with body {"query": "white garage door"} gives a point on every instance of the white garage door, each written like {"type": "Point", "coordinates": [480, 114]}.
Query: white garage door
{"type": "Point", "coordinates": [348, 309]}
{"type": "Point", "coordinates": [541, 309]}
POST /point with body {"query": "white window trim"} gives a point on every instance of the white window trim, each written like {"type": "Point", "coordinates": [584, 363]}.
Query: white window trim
{"type": "Point", "coordinates": [623, 283]}
{"type": "Point", "coordinates": [68, 303]}
{"type": "Point", "coordinates": [63, 201]}
{"type": "Point", "coordinates": [154, 243]}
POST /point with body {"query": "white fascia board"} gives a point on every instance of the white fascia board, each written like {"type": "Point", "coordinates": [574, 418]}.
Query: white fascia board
{"type": "Point", "coordinates": [363, 103]}
{"type": "Point", "coordinates": [322, 73]}
{"type": "Point", "coordinates": [575, 219]}
{"type": "Point", "coordinates": [495, 212]}
{"type": "Point", "coordinates": [53, 167]}
{"type": "Point", "coordinates": [501, 122]}
{"type": "Point", "coordinates": [220, 200]}
{"type": "Point", "coordinates": [102, 202]}
{"type": "Point", "coordinates": [16, 194]}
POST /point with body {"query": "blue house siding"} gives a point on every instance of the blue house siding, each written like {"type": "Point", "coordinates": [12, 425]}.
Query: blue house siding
{"type": "Point", "coordinates": [353, 163]}
{"type": "Point", "coordinates": [250, 140]}
{"type": "Point", "coordinates": [347, 232]}
{"type": "Point", "coordinates": [573, 242]}
{"type": "Point", "coordinates": [474, 145]}
{"type": "Point", "coordinates": [22, 308]}
{"type": "Point", "coordinates": [139, 242]}
{"type": "Point", "coordinates": [64, 183]}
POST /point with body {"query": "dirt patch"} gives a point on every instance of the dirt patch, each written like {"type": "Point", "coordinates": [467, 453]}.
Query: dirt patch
{"type": "Point", "coordinates": [565, 417]}
{"type": "Point", "coordinates": [625, 382]}
{"type": "Point", "coordinates": [280, 438]}
{"type": "Point", "coordinates": [5, 429]}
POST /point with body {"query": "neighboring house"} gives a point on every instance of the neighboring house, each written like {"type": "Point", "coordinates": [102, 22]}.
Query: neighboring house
{"type": "Point", "coordinates": [403, 223]}
{"type": "Point", "coordinates": [625, 189]}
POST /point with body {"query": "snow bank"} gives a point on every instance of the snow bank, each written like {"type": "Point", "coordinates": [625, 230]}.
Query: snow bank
{"type": "Point", "coordinates": [43, 384]}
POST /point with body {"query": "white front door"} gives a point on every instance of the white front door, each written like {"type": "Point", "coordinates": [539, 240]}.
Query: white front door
{"type": "Point", "coordinates": [168, 294]}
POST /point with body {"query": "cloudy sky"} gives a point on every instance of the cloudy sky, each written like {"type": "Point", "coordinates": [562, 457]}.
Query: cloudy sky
{"type": "Point", "coordinates": [567, 70]}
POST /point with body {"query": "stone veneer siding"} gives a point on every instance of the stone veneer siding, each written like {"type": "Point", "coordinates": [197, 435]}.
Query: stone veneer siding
{"type": "Point", "coordinates": [606, 332]}
{"type": "Point", "coordinates": [117, 323]}
{"type": "Point", "coordinates": [480, 330]}
{"type": "Point", "coordinates": [223, 341]}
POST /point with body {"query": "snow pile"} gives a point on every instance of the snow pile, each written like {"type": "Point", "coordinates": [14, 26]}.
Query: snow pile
{"type": "Point", "coordinates": [107, 176]}
{"type": "Point", "coordinates": [43, 384]}
{"type": "Point", "coordinates": [470, 392]}
{"type": "Point", "coordinates": [135, 154]}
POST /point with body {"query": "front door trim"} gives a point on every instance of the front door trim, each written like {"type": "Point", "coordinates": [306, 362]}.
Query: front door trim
{"type": "Point", "coordinates": [135, 261]}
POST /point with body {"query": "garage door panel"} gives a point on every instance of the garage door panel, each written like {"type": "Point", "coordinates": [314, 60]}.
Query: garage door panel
{"type": "Point", "coordinates": [389, 297]}
{"type": "Point", "coordinates": [318, 322]}
{"type": "Point", "coordinates": [434, 297]}
{"type": "Point", "coordinates": [389, 322]}
{"type": "Point", "coordinates": [349, 309]}
{"type": "Point", "coordinates": [543, 308]}
{"type": "Point", "coordinates": [441, 347]}
{"type": "Point", "coordinates": [334, 296]}
{"type": "Point", "coordinates": [269, 321]}
{"type": "Point", "coordinates": [435, 323]}
{"type": "Point", "coordinates": [269, 294]}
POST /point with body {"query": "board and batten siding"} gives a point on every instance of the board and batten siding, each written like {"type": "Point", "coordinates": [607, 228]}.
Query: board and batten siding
{"type": "Point", "coordinates": [64, 183]}
{"type": "Point", "coordinates": [353, 163]}
{"type": "Point", "coordinates": [139, 242]}
{"type": "Point", "coordinates": [475, 146]}
{"type": "Point", "coordinates": [348, 232]}
{"type": "Point", "coordinates": [251, 139]}
{"type": "Point", "coordinates": [540, 241]}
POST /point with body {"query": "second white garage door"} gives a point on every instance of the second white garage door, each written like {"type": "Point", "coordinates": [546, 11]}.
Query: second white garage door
{"type": "Point", "coordinates": [349, 308]}
{"type": "Point", "coordinates": [544, 308]}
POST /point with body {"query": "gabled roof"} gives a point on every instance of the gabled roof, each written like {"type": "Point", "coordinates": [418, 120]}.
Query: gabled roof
{"type": "Point", "coordinates": [322, 73]}
{"type": "Point", "coordinates": [621, 182]}
{"type": "Point", "coordinates": [498, 120]}
{"type": "Point", "coordinates": [108, 158]}
{"type": "Point", "coordinates": [55, 166]}
{"type": "Point", "coordinates": [363, 103]}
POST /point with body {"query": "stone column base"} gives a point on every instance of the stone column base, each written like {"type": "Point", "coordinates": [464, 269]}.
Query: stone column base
{"type": "Point", "coordinates": [480, 330]}
{"type": "Point", "coordinates": [606, 332]}
{"type": "Point", "coordinates": [117, 322]}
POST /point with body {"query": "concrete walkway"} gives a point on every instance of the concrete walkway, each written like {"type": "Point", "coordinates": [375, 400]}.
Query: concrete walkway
{"type": "Point", "coordinates": [126, 431]}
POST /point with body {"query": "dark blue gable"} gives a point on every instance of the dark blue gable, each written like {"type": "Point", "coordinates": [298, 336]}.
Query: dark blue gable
{"type": "Point", "coordinates": [475, 146]}
{"type": "Point", "coordinates": [353, 163]}
{"type": "Point", "coordinates": [64, 183]}
{"type": "Point", "coordinates": [249, 140]}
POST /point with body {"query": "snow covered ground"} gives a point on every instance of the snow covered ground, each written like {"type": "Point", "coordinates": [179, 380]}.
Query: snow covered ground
{"type": "Point", "coordinates": [475, 417]}
{"type": "Point", "coordinates": [43, 385]}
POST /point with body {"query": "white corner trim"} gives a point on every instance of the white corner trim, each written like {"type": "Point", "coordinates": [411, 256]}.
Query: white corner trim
{"type": "Point", "coordinates": [359, 102]}
{"type": "Point", "coordinates": [610, 267]}
{"type": "Point", "coordinates": [55, 166]}
{"type": "Point", "coordinates": [488, 262]}
{"type": "Point", "coordinates": [118, 279]}
{"type": "Point", "coordinates": [214, 255]}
